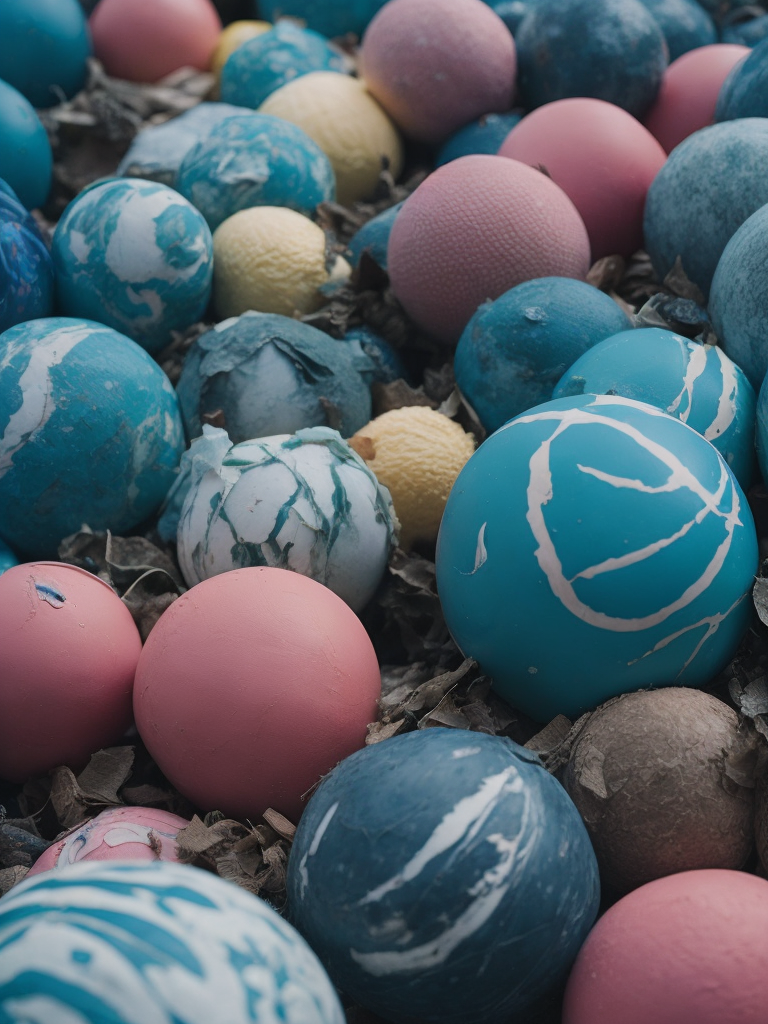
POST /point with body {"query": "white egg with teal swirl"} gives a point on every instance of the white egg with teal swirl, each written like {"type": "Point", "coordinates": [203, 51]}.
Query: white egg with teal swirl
{"type": "Point", "coordinates": [153, 944]}
{"type": "Point", "coordinates": [305, 502]}
{"type": "Point", "coordinates": [134, 255]}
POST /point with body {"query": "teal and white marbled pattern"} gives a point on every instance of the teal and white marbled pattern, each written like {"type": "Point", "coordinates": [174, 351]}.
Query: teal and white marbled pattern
{"type": "Point", "coordinates": [305, 502]}
{"type": "Point", "coordinates": [134, 255]}
{"type": "Point", "coordinates": [153, 944]}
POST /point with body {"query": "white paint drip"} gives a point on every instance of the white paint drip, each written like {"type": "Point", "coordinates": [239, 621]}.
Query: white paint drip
{"type": "Point", "coordinates": [481, 554]}
{"type": "Point", "coordinates": [726, 405]}
{"type": "Point", "coordinates": [695, 366]}
{"type": "Point", "coordinates": [315, 844]}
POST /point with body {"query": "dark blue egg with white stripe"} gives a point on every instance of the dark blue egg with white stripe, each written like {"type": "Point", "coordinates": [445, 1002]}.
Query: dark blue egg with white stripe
{"type": "Point", "coordinates": [26, 268]}
{"type": "Point", "coordinates": [443, 876]}
{"type": "Point", "coordinates": [159, 943]}
{"type": "Point", "coordinates": [696, 383]}
{"type": "Point", "coordinates": [595, 545]}
{"type": "Point", "coordinates": [134, 255]}
{"type": "Point", "coordinates": [90, 432]}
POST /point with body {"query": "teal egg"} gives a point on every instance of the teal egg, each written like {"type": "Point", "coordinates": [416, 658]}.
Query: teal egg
{"type": "Point", "coordinates": [373, 237]}
{"type": "Point", "coordinates": [385, 362]}
{"type": "Point", "coordinates": [685, 24]}
{"type": "Point", "coordinates": [744, 92]}
{"type": "Point", "coordinates": [482, 136]}
{"type": "Point", "coordinates": [7, 558]}
{"type": "Point", "coordinates": [26, 268]}
{"type": "Point", "coordinates": [331, 17]}
{"type": "Point", "coordinates": [134, 255]}
{"type": "Point", "coordinates": [761, 440]}
{"type": "Point", "coordinates": [90, 432]}
{"type": "Point", "coordinates": [592, 546]}
{"type": "Point", "coordinates": [26, 160]}
{"type": "Point", "coordinates": [696, 383]}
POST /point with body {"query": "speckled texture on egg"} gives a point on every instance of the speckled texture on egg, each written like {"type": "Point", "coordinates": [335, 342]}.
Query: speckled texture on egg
{"type": "Point", "coordinates": [26, 268]}
{"type": "Point", "coordinates": [743, 91]}
{"type": "Point", "coordinates": [136, 256]}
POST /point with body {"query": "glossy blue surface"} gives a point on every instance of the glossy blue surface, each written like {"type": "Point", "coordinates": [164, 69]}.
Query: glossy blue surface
{"type": "Point", "coordinates": [26, 268]}
{"type": "Point", "coordinates": [482, 136]}
{"type": "Point", "coordinates": [592, 546]}
{"type": "Point", "coordinates": [685, 25]}
{"type": "Point", "coordinates": [373, 236]}
{"type": "Point", "coordinates": [331, 17]}
{"type": "Point", "coordinates": [744, 93]}
{"type": "Point", "coordinates": [26, 160]}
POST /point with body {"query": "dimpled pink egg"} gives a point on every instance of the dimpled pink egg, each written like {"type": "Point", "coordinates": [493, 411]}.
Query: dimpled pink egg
{"type": "Point", "coordinates": [472, 230]}
{"type": "Point", "coordinates": [689, 89]}
{"type": "Point", "coordinates": [601, 157]}
{"type": "Point", "coordinates": [121, 833]}
{"type": "Point", "coordinates": [435, 65]}
{"type": "Point", "coordinates": [691, 948]}
{"type": "Point", "coordinates": [68, 654]}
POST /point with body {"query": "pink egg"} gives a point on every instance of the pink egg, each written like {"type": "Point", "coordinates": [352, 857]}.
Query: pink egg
{"type": "Point", "coordinates": [121, 833]}
{"type": "Point", "coordinates": [689, 89]}
{"type": "Point", "coordinates": [144, 40]}
{"type": "Point", "coordinates": [691, 948]}
{"type": "Point", "coordinates": [435, 65]}
{"type": "Point", "coordinates": [251, 686]}
{"type": "Point", "coordinates": [601, 157]}
{"type": "Point", "coordinates": [472, 230]}
{"type": "Point", "coordinates": [68, 654]}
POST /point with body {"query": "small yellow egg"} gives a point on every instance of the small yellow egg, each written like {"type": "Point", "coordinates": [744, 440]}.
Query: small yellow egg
{"type": "Point", "coordinates": [232, 37]}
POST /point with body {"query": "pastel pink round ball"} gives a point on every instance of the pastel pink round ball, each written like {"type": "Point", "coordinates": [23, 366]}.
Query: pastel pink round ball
{"type": "Point", "coordinates": [690, 948]}
{"type": "Point", "coordinates": [475, 228]}
{"type": "Point", "coordinates": [436, 65]}
{"type": "Point", "coordinates": [68, 654]}
{"type": "Point", "coordinates": [689, 90]}
{"type": "Point", "coordinates": [145, 40]}
{"type": "Point", "coordinates": [253, 685]}
{"type": "Point", "coordinates": [601, 157]}
{"type": "Point", "coordinates": [120, 833]}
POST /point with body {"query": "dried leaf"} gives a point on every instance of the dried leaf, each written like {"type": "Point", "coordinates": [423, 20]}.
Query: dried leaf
{"type": "Point", "coordinates": [397, 395]}
{"type": "Point", "coordinates": [606, 273]}
{"type": "Point", "coordinates": [19, 847]}
{"type": "Point", "coordinates": [11, 876]}
{"type": "Point", "coordinates": [284, 828]}
{"type": "Point", "coordinates": [760, 599]}
{"type": "Point", "coordinates": [678, 282]}
{"type": "Point", "coordinates": [378, 731]}
{"type": "Point", "coordinates": [105, 773]}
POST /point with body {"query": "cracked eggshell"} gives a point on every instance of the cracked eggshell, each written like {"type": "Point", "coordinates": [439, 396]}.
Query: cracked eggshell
{"type": "Point", "coordinates": [422, 861]}
{"type": "Point", "coordinates": [601, 526]}
{"type": "Point", "coordinates": [68, 654]}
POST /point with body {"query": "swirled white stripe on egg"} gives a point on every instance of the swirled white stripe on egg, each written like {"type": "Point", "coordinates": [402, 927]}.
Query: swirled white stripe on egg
{"type": "Point", "coordinates": [696, 363]}
{"type": "Point", "coordinates": [726, 406]}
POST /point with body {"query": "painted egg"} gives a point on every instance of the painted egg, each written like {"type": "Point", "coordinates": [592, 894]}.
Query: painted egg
{"type": "Point", "coordinates": [685, 24]}
{"type": "Point", "coordinates": [255, 160]}
{"type": "Point", "coordinates": [160, 943]}
{"type": "Point", "coordinates": [373, 237]}
{"type": "Point", "coordinates": [120, 833]}
{"type": "Point", "coordinates": [26, 285]}
{"type": "Point", "coordinates": [270, 374]}
{"type": "Point", "coordinates": [7, 558]}
{"type": "Point", "coordinates": [443, 876]}
{"type": "Point", "coordinates": [749, 32]}
{"type": "Point", "coordinates": [514, 350]}
{"type": "Point", "coordinates": [482, 136]}
{"type": "Point", "coordinates": [331, 17]}
{"type": "Point", "coordinates": [90, 432]}
{"type": "Point", "coordinates": [761, 440]}
{"type": "Point", "coordinates": [267, 665]}
{"type": "Point", "coordinates": [385, 362]}
{"type": "Point", "coordinates": [26, 160]}
{"type": "Point", "coordinates": [696, 383]}
{"type": "Point", "coordinates": [136, 256]}
{"type": "Point", "coordinates": [600, 525]}
{"type": "Point", "coordinates": [743, 91]}
{"type": "Point", "coordinates": [44, 47]}
{"type": "Point", "coordinates": [303, 501]}
{"type": "Point", "coordinates": [68, 654]}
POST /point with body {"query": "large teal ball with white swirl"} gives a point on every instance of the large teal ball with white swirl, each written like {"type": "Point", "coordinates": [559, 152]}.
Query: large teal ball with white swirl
{"type": "Point", "coordinates": [155, 943]}
{"type": "Point", "coordinates": [134, 255]}
{"type": "Point", "coordinates": [591, 546]}
{"type": "Point", "coordinates": [90, 432]}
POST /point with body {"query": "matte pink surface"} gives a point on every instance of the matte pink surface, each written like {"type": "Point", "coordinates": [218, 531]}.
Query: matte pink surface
{"type": "Point", "coordinates": [120, 833]}
{"type": "Point", "coordinates": [691, 948]}
{"type": "Point", "coordinates": [436, 65]}
{"type": "Point", "coordinates": [475, 228]}
{"type": "Point", "coordinates": [689, 90]}
{"type": "Point", "coordinates": [601, 157]}
{"type": "Point", "coordinates": [144, 40]}
{"type": "Point", "coordinates": [251, 686]}
{"type": "Point", "coordinates": [68, 653]}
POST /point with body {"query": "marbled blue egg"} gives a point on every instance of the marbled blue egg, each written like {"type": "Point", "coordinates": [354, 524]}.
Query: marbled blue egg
{"type": "Point", "coordinates": [156, 943]}
{"type": "Point", "coordinates": [385, 362]}
{"type": "Point", "coordinates": [331, 17]}
{"type": "Point", "coordinates": [373, 237]}
{"type": "Point", "coordinates": [261, 65]}
{"type": "Point", "coordinates": [592, 546]}
{"type": "Point", "coordinates": [483, 136]}
{"type": "Point", "coordinates": [685, 25]}
{"type": "Point", "coordinates": [696, 383]}
{"type": "Point", "coordinates": [744, 93]}
{"type": "Point", "coordinates": [7, 558]}
{"type": "Point", "coordinates": [255, 160]}
{"type": "Point", "coordinates": [514, 350]}
{"type": "Point", "coordinates": [26, 159]}
{"type": "Point", "coordinates": [269, 374]}
{"type": "Point", "coordinates": [134, 255]}
{"type": "Point", "coordinates": [26, 268]}
{"type": "Point", "coordinates": [443, 876]}
{"type": "Point", "coordinates": [90, 432]}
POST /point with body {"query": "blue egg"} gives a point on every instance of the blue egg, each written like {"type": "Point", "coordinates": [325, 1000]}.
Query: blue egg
{"type": "Point", "coordinates": [26, 280]}
{"type": "Point", "coordinates": [483, 136]}
{"type": "Point", "coordinates": [26, 160]}
{"type": "Point", "coordinates": [443, 876]}
{"type": "Point", "coordinates": [745, 33]}
{"type": "Point", "coordinates": [134, 255]}
{"type": "Point", "coordinates": [44, 47]}
{"type": "Point", "coordinates": [385, 362]}
{"type": "Point", "coordinates": [265, 374]}
{"type": "Point", "coordinates": [7, 558]}
{"type": "Point", "coordinates": [331, 17]}
{"type": "Point", "coordinates": [515, 349]}
{"type": "Point", "coordinates": [90, 432]}
{"type": "Point", "coordinates": [761, 438]}
{"type": "Point", "coordinates": [155, 942]}
{"type": "Point", "coordinates": [511, 12]}
{"type": "Point", "coordinates": [685, 24]}
{"type": "Point", "coordinates": [744, 93]}
{"type": "Point", "coordinates": [255, 160]}
{"type": "Point", "coordinates": [373, 237]}
{"type": "Point", "coordinates": [696, 383]}
{"type": "Point", "coordinates": [593, 546]}
{"type": "Point", "coordinates": [261, 65]}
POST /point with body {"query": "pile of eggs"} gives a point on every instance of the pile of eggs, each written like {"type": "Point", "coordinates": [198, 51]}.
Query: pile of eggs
{"type": "Point", "coordinates": [595, 554]}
